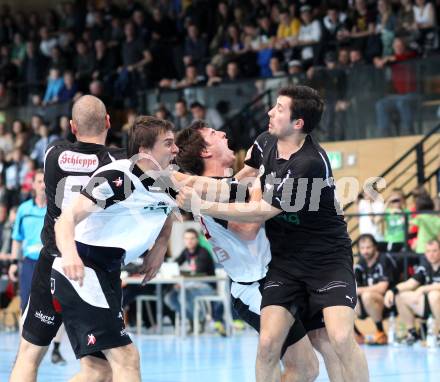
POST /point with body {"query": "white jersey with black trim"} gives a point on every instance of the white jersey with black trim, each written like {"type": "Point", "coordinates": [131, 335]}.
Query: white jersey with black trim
{"type": "Point", "coordinates": [132, 215]}
{"type": "Point", "coordinates": [243, 260]}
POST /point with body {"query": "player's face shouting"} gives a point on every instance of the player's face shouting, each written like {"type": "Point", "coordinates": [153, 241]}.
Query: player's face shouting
{"type": "Point", "coordinates": [280, 123]}
{"type": "Point", "coordinates": [165, 149]}
{"type": "Point", "coordinates": [217, 146]}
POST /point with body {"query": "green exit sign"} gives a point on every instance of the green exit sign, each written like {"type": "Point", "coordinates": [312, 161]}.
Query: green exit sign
{"type": "Point", "coordinates": [335, 158]}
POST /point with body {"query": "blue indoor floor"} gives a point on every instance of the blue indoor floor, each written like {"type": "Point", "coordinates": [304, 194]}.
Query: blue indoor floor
{"type": "Point", "coordinates": [216, 359]}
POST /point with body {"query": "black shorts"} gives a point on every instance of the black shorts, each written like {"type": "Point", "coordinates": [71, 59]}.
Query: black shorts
{"type": "Point", "coordinates": [92, 314]}
{"type": "Point", "coordinates": [310, 290]}
{"type": "Point", "coordinates": [42, 317]}
{"type": "Point", "coordinates": [246, 300]}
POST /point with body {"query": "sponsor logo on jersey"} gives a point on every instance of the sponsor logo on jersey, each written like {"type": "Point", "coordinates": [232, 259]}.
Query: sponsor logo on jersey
{"type": "Point", "coordinates": [118, 182]}
{"type": "Point", "coordinates": [71, 161]}
{"type": "Point", "coordinates": [91, 339]}
{"type": "Point", "coordinates": [124, 333]}
{"type": "Point", "coordinates": [49, 320]}
{"type": "Point", "coordinates": [159, 206]}
{"type": "Point", "coordinates": [289, 217]}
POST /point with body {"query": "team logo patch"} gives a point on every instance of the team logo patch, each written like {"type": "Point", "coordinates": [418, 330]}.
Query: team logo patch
{"type": "Point", "coordinates": [261, 170]}
{"type": "Point", "coordinates": [118, 182]}
{"type": "Point", "coordinates": [52, 285]}
{"type": "Point", "coordinates": [91, 339]}
{"type": "Point", "coordinates": [71, 161]}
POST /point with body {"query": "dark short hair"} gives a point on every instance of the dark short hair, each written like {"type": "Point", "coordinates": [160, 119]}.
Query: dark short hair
{"type": "Point", "coordinates": [193, 231]}
{"type": "Point", "coordinates": [306, 104]}
{"type": "Point", "coordinates": [424, 203]}
{"type": "Point", "coordinates": [181, 100]}
{"type": "Point", "coordinates": [368, 236]}
{"type": "Point", "coordinates": [197, 104]}
{"type": "Point", "coordinates": [191, 144]}
{"type": "Point", "coordinates": [144, 132]}
{"type": "Point", "coordinates": [434, 241]}
{"type": "Point", "coordinates": [37, 172]}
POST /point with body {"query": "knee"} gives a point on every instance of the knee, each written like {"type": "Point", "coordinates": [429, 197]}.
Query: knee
{"type": "Point", "coordinates": [341, 340]}
{"type": "Point", "coordinates": [98, 374]}
{"type": "Point", "coordinates": [269, 349]}
{"type": "Point", "coordinates": [434, 298]}
{"type": "Point", "coordinates": [307, 374]}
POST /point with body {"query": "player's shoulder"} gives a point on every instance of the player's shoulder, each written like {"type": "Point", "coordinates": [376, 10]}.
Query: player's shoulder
{"type": "Point", "coordinates": [120, 165]}
{"type": "Point", "coordinates": [117, 153]}
{"type": "Point", "coordinates": [264, 140]}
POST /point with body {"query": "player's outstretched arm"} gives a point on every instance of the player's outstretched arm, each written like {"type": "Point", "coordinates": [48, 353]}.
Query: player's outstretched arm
{"type": "Point", "coordinates": [252, 212]}
{"type": "Point", "coordinates": [81, 207]}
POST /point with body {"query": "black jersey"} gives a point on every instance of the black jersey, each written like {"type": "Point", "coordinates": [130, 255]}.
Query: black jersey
{"type": "Point", "coordinates": [302, 186]}
{"type": "Point", "coordinates": [67, 169]}
{"type": "Point", "coordinates": [425, 273]}
{"type": "Point", "coordinates": [384, 269]}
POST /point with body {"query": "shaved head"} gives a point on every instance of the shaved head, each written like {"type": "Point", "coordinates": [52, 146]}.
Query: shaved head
{"type": "Point", "coordinates": [89, 116]}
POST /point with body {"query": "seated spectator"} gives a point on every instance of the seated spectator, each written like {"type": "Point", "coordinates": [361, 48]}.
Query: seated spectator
{"type": "Point", "coordinates": [232, 44]}
{"type": "Point", "coordinates": [419, 296]}
{"type": "Point", "coordinates": [309, 34]}
{"type": "Point", "coordinates": [254, 39]}
{"type": "Point", "coordinates": [196, 260]}
{"type": "Point", "coordinates": [288, 29]}
{"type": "Point", "coordinates": [45, 140]}
{"type": "Point", "coordinates": [47, 42]}
{"type": "Point", "coordinates": [84, 64]}
{"type": "Point", "coordinates": [182, 116]}
{"type": "Point", "coordinates": [191, 79]}
{"type": "Point", "coordinates": [58, 59]}
{"type": "Point", "coordinates": [63, 129]}
{"type": "Point", "coordinates": [232, 72]}
{"type": "Point", "coordinates": [394, 223]}
{"type": "Point", "coordinates": [54, 86]}
{"type": "Point", "coordinates": [96, 88]}
{"type": "Point", "coordinates": [428, 225]}
{"type": "Point", "coordinates": [295, 67]}
{"type": "Point", "coordinates": [212, 77]}
{"type": "Point", "coordinates": [404, 97]}
{"type": "Point", "coordinates": [69, 91]}
{"type": "Point", "coordinates": [343, 58]}
{"type": "Point", "coordinates": [211, 116]}
{"type": "Point", "coordinates": [375, 273]}
{"type": "Point", "coordinates": [275, 67]}
{"type": "Point", "coordinates": [14, 178]}
{"type": "Point", "coordinates": [356, 57]}
{"type": "Point", "coordinates": [105, 62]}
{"type": "Point", "coordinates": [163, 113]}
{"type": "Point", "coordinates": [195, 48]}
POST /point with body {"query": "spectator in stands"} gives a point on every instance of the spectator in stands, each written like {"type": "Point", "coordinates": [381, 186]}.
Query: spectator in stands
{"type": "Point", "coordinates": [275, 67]}
{"type": "Point", "coordinates": [69, 90]}
{"type": "Point", "coordinates": [182, 116]}
{"type": "Point", "coordinates": [343, 58]}
{"type": "Point", "coordinates": [254, 39]}
{"type": "Point", "coordinates": [33, 69]}
{"type": "Point", "coordinates": [27, 186]}
{"type": "Point", "coordinates": [18, 51]}
{"type": "Point", "coordinates": [14, 177]}
{"type": "Point", "coordinates": [394, 222]}
{"type": "Point", "coordinates": [6, 98]}
{"type": "Point", "coordinates": [419, 296]}
{"type": "Point", "coordinates": [211, 116]}
{"type": "Point", "coordinates": [20, 135]}
{"type": "Point", "coordinates": [309, 35]}
{"type": "Point", "coordinates": [62, 129]}
{"type": "Point", "coordinates": [375, 274]}
{"type": "Point", "coordinates": [405, 18]}
{"type": "Point", "coordinates": [386, 23]}
{"type": "Point", "coordinates": [47, 42]}
{"type": "Point", "coordinates": [425, 22]}
{"type": "Point", "coordinates": [141, 25]}
{"type": "Point", "coordinates": [212, 77]}
{"type": "Point", "coordinates": [334, 26]}
{"type": "Point", "coordinates": [428, 224]}
{"type": "Point", "coordinates": [232, 44]}
{"type": "Point", "coordinates": [404, 97]}
{"type": "Point", "coordinates": [191, 79]}
{"type": "Point", "coordinates": [371, 203]}
{"type": "Point", "coordinates": [46, 138]}
{"type": "Point", "coordinates": [58, 59]}
{"type": "Point", "coordinates": [8, 70]}
{"type": "Point", "coordinates": [54, 86]}
{"type": "Point", "coordinates": [356, 57]}
{"type": "Point", "coordinates": [6, 141]}
{"type": "Point", "coordinates": [196, 260]}
{"type": "Point", "coordinates": [232, 72]}
{"type": "Point", "coordinates": [195, 49]}
{"type": "Point", "coordinates": [288, 29]}
{"type": "Point", "coordinates": [84, 63]}
{"type": "Point", "coordinates": [295, 67]}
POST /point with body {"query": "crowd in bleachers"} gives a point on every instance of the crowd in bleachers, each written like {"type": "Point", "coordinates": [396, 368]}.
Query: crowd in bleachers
{"type": "Point", "coordinates": [114, 51]}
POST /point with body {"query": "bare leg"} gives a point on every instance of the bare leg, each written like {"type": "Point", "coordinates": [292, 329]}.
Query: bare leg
{"type": "Point", "coordinates": [373, 303]}
{"type": "Point", "coordinates": [28, 360]}
{"type": "Point", "coordinates": [124, 361]}
{"type": "Point", "coordinates": [93, 369]}
{"type": "Point", "coordinates": [275, 324]}
{"type": "Point", "coordinates": [320, 341]}
{"type": "Point", "coordinates": [434, 303]}
{"type": "Point", "coordinates": [300, 362]}
{"type": "Point", "coordinates": [408, 304]}
{"type": "Point", "coordinates": [339, 321]}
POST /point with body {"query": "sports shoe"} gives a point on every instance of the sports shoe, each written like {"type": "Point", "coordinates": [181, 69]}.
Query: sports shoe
{"type": "Point", "coordinates": [239, 324]}
{"type": "Point", "coordinates": [57, 358]}
{"type": "Point", "coordinates": [380, 338]}
{"type": "Point", "coordinates": [220, 328]}
{"type": "Point", "coordinates": [411, 338]}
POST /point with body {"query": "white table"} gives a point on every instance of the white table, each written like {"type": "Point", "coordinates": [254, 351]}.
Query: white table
{"type": "Point", "coordinates": [181, 281]}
